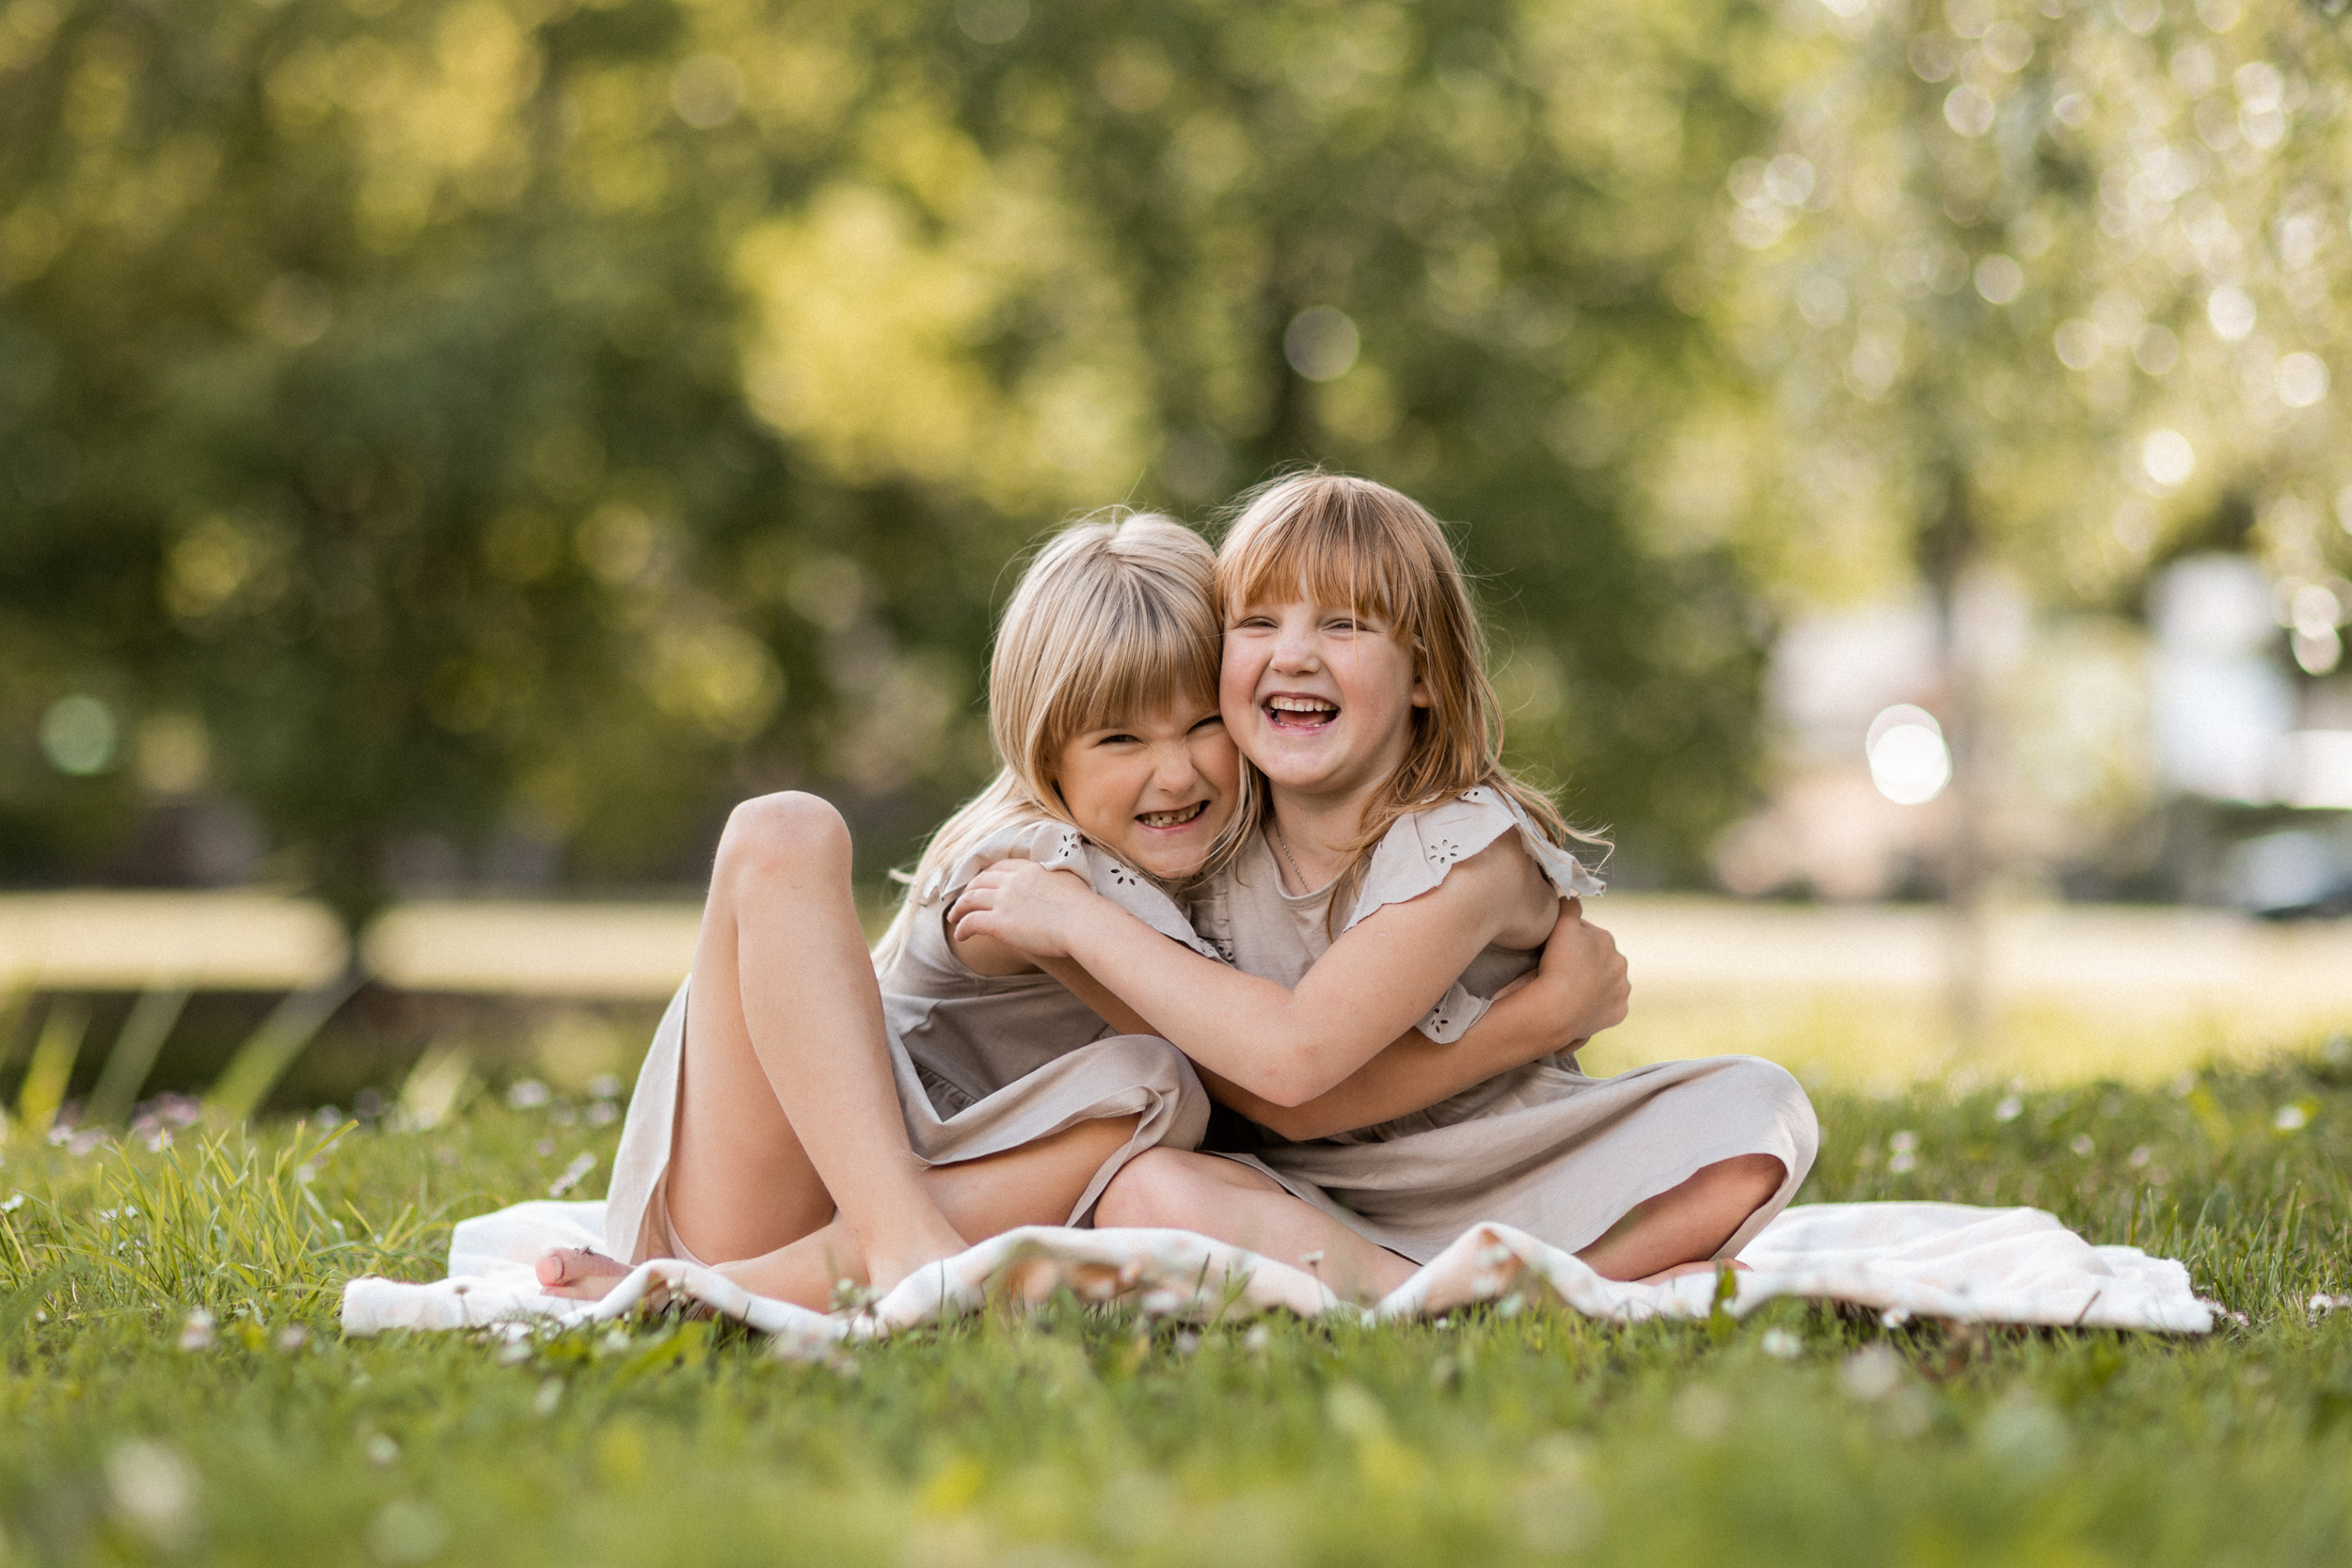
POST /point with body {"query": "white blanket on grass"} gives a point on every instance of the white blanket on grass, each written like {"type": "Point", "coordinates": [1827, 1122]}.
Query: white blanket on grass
{"type": "Point", "coordinates": [1901, 1260]}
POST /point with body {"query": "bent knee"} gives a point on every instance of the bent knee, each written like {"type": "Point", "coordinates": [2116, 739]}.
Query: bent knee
{"type": "Point", "coordinates": [1157, 1188]}
{"type": "Point", "coordinates": [790, 830]}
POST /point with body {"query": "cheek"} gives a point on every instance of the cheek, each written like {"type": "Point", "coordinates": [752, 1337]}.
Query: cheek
{"type": "Point", "coordinates": [1219, 764]}
{"type": "Point", "coordinates": [1099, 796]}
{"type": "Point", "coordinates": [1236, 689]}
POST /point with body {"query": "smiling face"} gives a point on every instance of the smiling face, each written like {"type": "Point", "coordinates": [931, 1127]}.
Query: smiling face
{"type": "Point", "coordinates": [1156, 792]}
{"type": "Point", "coordinates": [1321, 697]}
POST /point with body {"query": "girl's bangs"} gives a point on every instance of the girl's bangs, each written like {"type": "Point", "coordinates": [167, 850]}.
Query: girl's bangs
{"type": "Point", "coordinates": [1334, 552]}
{"type": "Point", "coordinates": [1152, 660]}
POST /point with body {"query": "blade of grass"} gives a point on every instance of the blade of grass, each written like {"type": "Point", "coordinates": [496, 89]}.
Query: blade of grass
{"type": "Point", "coordinates": [50, 1069]}
{"type": "Point", "coordinates": [245, 1083]}
{"type": "Point", "coordinates": [133, 1054]}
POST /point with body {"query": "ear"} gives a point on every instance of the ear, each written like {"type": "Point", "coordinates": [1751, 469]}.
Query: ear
{"type": "Point", "coordinates": [1420, 691]}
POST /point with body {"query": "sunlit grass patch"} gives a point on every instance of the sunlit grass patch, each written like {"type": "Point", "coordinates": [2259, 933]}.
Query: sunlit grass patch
{"type": "Point", "coordinates": [136, 1430]}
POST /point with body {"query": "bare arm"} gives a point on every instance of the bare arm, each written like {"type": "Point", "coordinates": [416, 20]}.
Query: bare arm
{"type": "Point", "coordinates": [1286, 1046]}
{"type": "Point", "coordinates": [1579, 989]}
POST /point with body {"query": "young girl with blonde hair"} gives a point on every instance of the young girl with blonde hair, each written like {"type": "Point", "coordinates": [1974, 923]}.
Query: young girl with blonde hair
{"type": "Point", "coordinates": [808, 1114]}
{"type": "Point", "coordinates": [1394, 871]}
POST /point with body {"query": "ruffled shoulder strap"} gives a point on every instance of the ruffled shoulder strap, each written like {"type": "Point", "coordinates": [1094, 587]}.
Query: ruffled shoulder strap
{"type": "Point", "coordinates": [1059, 846]}
{"type": "Point", "coordinates": [1422, 847]}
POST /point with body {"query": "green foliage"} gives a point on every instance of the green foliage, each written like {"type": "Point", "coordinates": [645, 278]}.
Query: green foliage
{"type": "Point", "coordinates": [1074, 1437]}
{"type": "Point", "coordinates": [524, 426]}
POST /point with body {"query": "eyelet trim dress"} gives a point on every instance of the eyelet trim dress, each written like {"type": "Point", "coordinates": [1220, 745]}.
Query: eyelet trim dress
{"type": "Point", "coordinates": [1545, 1148]}
{"type": "Point", "coordinates": [983, 1063]}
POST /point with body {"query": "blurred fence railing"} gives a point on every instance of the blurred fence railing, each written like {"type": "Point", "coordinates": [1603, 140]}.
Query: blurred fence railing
{"type": "Point", "coordinates": [1862, 993]}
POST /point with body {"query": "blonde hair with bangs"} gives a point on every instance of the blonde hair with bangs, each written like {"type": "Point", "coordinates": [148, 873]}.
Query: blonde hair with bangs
{"type": "Point", "coordinates": [1345, 541]}
{"type": "Point", "coordinates": [1115, 619]}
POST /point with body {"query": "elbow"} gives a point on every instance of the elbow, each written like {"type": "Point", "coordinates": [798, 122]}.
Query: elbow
{"type": "Point", "coordinates": [1290, 1087]}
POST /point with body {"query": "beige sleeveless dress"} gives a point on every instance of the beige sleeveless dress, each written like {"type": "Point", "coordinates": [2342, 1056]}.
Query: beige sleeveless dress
{"type": "Point", "coordinates": [1544, 1148]}
{"type": "Point", "coordinates": [983, 1063]}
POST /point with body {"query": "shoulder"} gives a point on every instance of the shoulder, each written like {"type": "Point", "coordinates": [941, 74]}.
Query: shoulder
{"type": "Point", "coordinates": [1422, 850]}
{"type": "Point", "coordinates": [1055, 846]}
{"type": "Point", "coordinates": [1059, 846]}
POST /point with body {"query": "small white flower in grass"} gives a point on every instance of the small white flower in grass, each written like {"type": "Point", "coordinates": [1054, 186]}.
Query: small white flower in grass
{"type": "Point", "coordinates": [1906, 1155]}
{"type": "Point", "coordinates": [2139, 1157]}
{"type": "Point", "coordinates": [381, 1450]}
{"type": "Point", "coordinates": [550, 1394]}
{"type": "Point", "coordinates": [291, 1337]}
{"type": "Point", "coordinates": [2082, 1146]}
{"type": "Point", "coordinates": [1702, 1414]}
{"type": "Point", "coordinates": [2010, 1109]}
{"type": "Point", "coordinates": [604, 1086]}
{"type": "Point", "coordinates": [1256, 1339]}
{"type": "Point", "coordinates": [603, 1112]}
{"type": "Point", "coordinates": [407, 1532]}
{"type": "Point", "coordinates": [196, 1332]}
{"type": "Point", "coordinates": [2291, 1118]}
{"type": "Point", "coordinates": [153, 1489]}
{"type": "Point", "coordinates": [1781, 1345]}
{"type": "Point", "coordinates": [1187, 1342]}
{"type": "Point", "coordinates": [582, 1164]}
{"type": "Point", "coordinates": [527, 1094]}
{"type": "Point", "coordinates": [1870, 1373]}
{"type": "Point", "coordinates": [16, 1201]}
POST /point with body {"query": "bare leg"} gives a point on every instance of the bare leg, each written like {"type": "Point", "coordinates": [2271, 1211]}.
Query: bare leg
{"type": "Point", "coordinates": [788, 1112]}
{"type": "Point", "coordinates": [1681, 1228]}
{"type": "Point", "coordinates": [1034, 1184]}
{"type": "Point", "coordinates": [1235, 1204]}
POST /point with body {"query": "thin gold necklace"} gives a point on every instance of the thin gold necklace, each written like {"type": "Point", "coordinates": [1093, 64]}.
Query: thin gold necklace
{"type": "Point", "coordinates": [1282, 842]}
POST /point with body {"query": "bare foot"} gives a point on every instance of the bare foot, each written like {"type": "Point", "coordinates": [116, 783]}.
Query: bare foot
{"type": "Point", "coordinates": [579, 1273]}
{"type": "Point", "coordinates": [884, 1270]}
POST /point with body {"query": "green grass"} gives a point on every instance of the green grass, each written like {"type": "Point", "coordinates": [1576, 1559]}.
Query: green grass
{"type": "Point", "coordinates": [1070, 1439]}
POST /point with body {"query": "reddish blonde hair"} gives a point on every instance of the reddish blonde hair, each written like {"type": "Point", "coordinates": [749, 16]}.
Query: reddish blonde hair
{"type": "Point", "coordinates": [1345, 541]}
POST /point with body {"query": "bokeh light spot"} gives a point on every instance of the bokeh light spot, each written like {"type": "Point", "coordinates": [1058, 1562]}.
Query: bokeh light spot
{"type": "Point", "coordinates": [2231, 313]}
{"type": "Point", "coordinates": [707, 91]}
{"type": "Point", "coordinates": [1322, 344]}
{"type": "Point", "coordinates": [78, 736]}
{"type": "Point", "coordinates": [2302, 380]}
{"type": "Point", "coordinates": [993, 21]}
{"type": "Point", "coordinates": [1999, 278]}
{"type": "Point", "coordinates": [2167, 457]}
{"type": "Point", "coordinates": [1909, 762]}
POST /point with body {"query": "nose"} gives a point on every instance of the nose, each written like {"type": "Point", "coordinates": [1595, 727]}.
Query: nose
{"type": "Point", "coordinates": [1293, 649]}
{"type": "Point", "coordinates": [1173, 771]}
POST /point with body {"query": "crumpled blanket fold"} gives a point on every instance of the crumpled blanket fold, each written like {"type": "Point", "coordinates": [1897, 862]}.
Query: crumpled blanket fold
{"type": "Point", "coordinates": [1901, 1260]}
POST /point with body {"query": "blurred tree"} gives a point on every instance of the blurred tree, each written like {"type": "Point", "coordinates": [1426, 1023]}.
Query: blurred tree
{"type": "Point", "coordinates": [2036, 288]}
{"type": "Point", "coordinates": [482, 437]}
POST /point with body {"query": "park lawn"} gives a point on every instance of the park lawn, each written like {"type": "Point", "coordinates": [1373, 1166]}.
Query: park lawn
{"type": "Point", "coordinates": [1073, 1437]}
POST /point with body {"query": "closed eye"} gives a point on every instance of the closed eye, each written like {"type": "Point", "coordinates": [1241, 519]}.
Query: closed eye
{"type": "Point", "coordinates": [1215, 719]}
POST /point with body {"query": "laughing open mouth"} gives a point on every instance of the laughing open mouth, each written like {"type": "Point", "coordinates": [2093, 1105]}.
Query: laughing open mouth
{"type": "Point", "coordinates": [1291, 712]}
{"type": "Point", "coordinates": [1173, 818]}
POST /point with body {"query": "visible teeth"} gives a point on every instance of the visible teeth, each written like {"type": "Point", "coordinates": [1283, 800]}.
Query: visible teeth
{"type": "Point", "coordinates": [1172, 818]}
{"type": "Point", "coordinates": [1301, 705]}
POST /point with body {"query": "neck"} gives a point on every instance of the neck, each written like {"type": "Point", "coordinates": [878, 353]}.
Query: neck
{"type": "Point", "coordinates": [1318, 829]}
